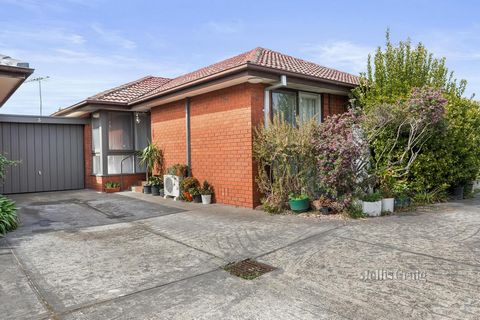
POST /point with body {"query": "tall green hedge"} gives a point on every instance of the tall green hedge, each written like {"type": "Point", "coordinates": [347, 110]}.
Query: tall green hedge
{"type": "Point", "coordinates": [451, 156]}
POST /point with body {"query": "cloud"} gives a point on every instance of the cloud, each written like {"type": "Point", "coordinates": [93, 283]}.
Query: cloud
{"type": "Point", "coordinates": [113, 37]}
{"type": "Point", "coordinates": [343, 55]}
{"type": "Point", "coordinates": [41, 36]}
{"type": "Point", "coordinates": [223, 27]}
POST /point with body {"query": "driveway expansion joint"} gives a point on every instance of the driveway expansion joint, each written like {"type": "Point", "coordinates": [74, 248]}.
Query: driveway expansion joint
{"type": "Point", "coordinates": [409, 251]}
{"type": "Point", "coordinates": [35, 287]}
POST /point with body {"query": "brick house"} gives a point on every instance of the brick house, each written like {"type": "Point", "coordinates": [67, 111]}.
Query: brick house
{"type": "Point", "coordinates": [206, 118]}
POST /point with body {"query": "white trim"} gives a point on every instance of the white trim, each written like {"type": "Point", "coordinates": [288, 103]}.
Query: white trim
{"type": "Point", "coordinates": [315, 96]}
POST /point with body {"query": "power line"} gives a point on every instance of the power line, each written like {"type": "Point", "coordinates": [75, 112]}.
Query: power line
{"type": "Point", "coordinates": [39, 80]}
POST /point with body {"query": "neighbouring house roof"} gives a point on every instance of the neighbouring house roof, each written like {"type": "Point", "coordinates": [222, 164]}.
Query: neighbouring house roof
{"type": "Point", "coordinates": [150, 87]}
{"type": "Point", "coordinates": [13, 73]}
{"type": "Point", "coordinates": [129, 91]}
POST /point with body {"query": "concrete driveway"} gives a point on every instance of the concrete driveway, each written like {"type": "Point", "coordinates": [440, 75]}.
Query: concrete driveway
{"type": "Point", "coordinates": [85, 255]}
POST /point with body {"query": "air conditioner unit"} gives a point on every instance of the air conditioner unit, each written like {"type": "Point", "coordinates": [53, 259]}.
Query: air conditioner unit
{"type": "Point", "coordinates": [172, 186]}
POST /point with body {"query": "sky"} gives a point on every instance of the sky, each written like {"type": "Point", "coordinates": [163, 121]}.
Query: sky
{"type": "Point", "coordinates": [89, 46]}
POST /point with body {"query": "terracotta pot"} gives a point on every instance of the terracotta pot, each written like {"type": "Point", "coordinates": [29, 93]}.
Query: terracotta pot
{"type": "Point", "coordinates": [187, 196]}
{"type": "Point", "coordinates": [112, 190]}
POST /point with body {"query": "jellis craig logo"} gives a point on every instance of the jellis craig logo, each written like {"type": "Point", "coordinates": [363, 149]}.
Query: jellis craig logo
{"type": "Point", "coordinates": [395, 275]}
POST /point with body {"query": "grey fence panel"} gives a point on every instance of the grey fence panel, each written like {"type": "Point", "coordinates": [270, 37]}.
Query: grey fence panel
{"type": "Point", "coordinates": [50, 155]}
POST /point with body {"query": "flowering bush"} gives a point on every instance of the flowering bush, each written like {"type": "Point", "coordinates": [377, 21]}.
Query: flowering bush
{"type": "Point", "coordinates": [342, 155]}
{"type": "Point", "coordinates": [398, 132]}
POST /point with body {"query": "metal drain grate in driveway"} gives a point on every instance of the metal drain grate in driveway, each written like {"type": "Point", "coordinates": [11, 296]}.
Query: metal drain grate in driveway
{"type": "Point", "coordinates": [248, 269]}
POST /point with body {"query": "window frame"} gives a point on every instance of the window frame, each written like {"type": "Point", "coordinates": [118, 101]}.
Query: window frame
{"type": "Point", "coordinates": [297, 93]}
{"type": "Point", "coordinates": [105, 148]}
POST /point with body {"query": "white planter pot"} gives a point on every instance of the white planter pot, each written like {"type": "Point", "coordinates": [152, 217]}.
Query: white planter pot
{"type": "Point", "coordinates": [206, 199]}
{"type": "Point", "coordinates": [476, 184]}
{"type": "Point", "coordinates": [388, 204]}
{"type": "Point", "coordinates": [372, 209]}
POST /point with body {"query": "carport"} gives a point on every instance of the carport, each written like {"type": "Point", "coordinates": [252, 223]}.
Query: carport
{"type": "Point", "coordinates": [49, 151]}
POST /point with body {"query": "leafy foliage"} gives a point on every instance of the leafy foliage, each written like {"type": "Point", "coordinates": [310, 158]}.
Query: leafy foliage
{"type": "Point", "coordinates": [188, 183]}
{"type": "Point", "coordinates": [341, 153]}
{"type": "Point", "coordinates": [178, 169]}
{"type": "Point", "coordinates": [152, 157]}
{"type": "Point", "coordinates": [206, 189]}
{"type": "Point", "coordinates": [8, 215]}
{"type": "Point", "coordinates": [396, 70]}
{"type": "Point", "coordinates": [286, 162]}
{"type": "Point", "coordinates": [424, 133]}
{"type": "Point", "coordinates": [112, 185]}
{"type": "Point", "coordinates": [4, 163]}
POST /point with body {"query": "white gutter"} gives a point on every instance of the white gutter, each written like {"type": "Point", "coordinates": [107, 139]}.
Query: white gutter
{"type": "Point", "coordinates": [266, 97]}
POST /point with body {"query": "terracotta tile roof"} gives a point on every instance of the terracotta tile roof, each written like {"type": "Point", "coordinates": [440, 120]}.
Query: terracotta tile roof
{"type": "Point", "coordinates": [150, 86]}
{"type": "Point", "coordinates": [276, 60]}
{"type": "Point", "coordinates": [129, 91]}
{"type": "Point", "coordinates": [265, 58]}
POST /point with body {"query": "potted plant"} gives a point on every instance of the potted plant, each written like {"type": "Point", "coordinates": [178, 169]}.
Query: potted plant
{"type": "Point", "coordinates": [111, 187]}
{"type": "Point", "coordinates": [206, 191]}
{"type": "Point", "coordinates": [157, 185]}
{"type": "Point", "coordinates": [458, 191]}
{"type": "Point", "coordinates": [150, 157]}
{"type": "Point", "coordinates": [323, 204]}
{"type": "Point", "coordinates": [147, 188]}
{"type": "Point", "coordinates": [299, 202]}
{"type": "Point", "coordinates": [372, 204]}
{"type": "Point", "coordinates": [388, 200]}
{"type": "Point", "coordinates": [195, 193]}
{"type": "Point", "coordinates": [401, 191]}
{"type": "Point", "coordinates": [187, 184]}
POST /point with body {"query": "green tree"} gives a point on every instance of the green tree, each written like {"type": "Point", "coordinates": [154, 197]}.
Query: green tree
{"type": "Point", "coordinates": [451, 155]}
{"type": "Point", "coordinates": [396, 70]}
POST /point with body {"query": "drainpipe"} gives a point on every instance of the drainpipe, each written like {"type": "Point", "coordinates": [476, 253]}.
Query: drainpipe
{"type": "Point", "coordinates": [187, 134]}
{"type": "Point", "coordinates": [266, 97]}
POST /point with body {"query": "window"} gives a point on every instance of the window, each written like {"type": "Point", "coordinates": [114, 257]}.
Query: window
{"type": "Point", "coordinates": [309, 107]}
{"type": "Point", "coordinates": [96, 134]}
{"type": "Point", "coordinates": [141, 130]}
{"type": "Point", "coordinates": [284, 103]}
{"type": "Point", "coordinates": [120, 131]}
{"type": "Point", "coordinates": [96, 169]}
{"type": "Point", "coordinates": [116, 166]}
{"type": "Point", "coordinates": [114, 146]}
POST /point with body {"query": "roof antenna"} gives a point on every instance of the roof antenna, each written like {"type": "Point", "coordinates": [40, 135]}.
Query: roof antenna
{"type": "Point", "coordinates": [39, 80]}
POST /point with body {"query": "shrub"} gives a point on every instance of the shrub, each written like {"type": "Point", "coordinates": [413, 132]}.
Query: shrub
{"type": "Point", "coordinates": [4, 163]}
{"type": "Point", "coordinates": [372, 197]}
{"type": "Point", "coordinates": [206, 188]}
{"type": "Point", "coordinates": [341, 154]}
{"type": "Point", "coordinates": [286, 162]}
{"type": "Point", "coordinates": [111, 184]}
{"type": "Point", "coordinates": [152, 157]}
{"type": "Point", "coordinates": [8, 215]}
{"type": "Point", "coordinates": [189, 183]}
{"type": "Point", "coordinates": [296, 197]}
{"type": "Point", "coordinates": [354, 211]}
{"type": "Point", "coordinates": [178, 169]}
{"type": "Point", "coordinates": [156, 181]}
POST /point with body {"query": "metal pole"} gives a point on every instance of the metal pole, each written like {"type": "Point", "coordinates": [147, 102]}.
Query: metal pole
{"type": "Point", "coordinates": [40, 94]}
{"type": "Point", "coordinates": [187, 133]}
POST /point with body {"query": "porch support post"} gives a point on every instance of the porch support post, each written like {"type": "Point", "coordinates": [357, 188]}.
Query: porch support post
{"type": "Point", "coordinates": [187, 134]}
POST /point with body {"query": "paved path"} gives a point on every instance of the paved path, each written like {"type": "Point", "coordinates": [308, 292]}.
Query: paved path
{"type": "Point", "coordinates": [85, 255]}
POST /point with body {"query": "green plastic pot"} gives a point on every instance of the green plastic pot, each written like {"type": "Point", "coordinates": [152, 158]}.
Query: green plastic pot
{"type": "Point", "coordinates": [299, 205]}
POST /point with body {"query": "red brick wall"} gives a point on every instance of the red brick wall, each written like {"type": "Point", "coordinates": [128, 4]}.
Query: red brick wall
{"type": "Point", "coordinates": [333, 104]}
{"type": "Point", "coordinates": [221, 124]}
{"type": "Point", "coordinates": [98, 182]}
{"type": "Point", "coordinates": [222, 127]}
